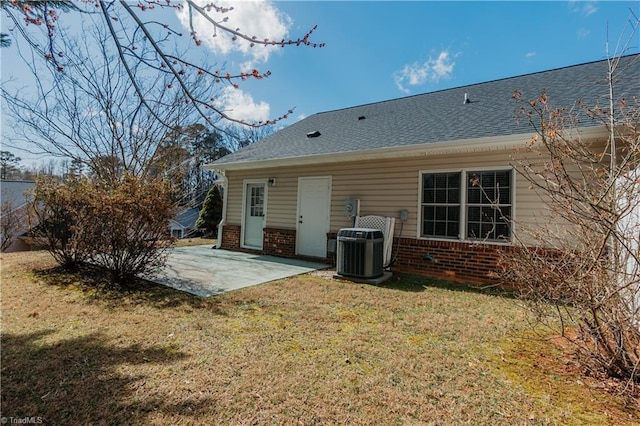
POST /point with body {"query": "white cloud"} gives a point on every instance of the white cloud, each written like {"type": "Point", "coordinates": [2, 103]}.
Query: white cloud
{"type": "Point", "coordinates": [585, 8]}
{"type": "Point", "coordinates": [241, 106]}
{"type": "Point", "coordinates": [582, 33]}
{"type": "Point", "coordinates": [432, 70]}
{"type": "Point", "coordinates": [442, 67]}
{"type": "Point", "coordinates": [589, 8]}
{"type": "Point", "coordinates": [530, 55]}
{"type": "Point", "coordinates": [259, 18]}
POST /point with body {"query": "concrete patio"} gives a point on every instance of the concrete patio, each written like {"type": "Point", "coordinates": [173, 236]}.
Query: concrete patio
{"type": "Point", "coordinates": [205, 271]}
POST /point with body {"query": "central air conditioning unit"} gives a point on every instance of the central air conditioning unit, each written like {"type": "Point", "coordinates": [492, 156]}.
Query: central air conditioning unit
{"type": "Point", "coordinates": [360, 253]}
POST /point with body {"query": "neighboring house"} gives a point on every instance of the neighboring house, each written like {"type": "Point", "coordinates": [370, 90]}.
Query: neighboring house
{"type": "Point", "coordinates": [285, 194]}
{"type": "Point", "coordinates": [185, 223]}
{"type": "Point", "coordinates": [14, 202]}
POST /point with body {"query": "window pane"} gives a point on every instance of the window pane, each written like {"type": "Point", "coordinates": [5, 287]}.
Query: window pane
{"type": "Point", "coordinates": [505, 213]}
{"type": "Point", "coordinates": [429, 213]}
{"type": "Point", "coordinates": [427, 227]}
{"type": "Point", "coordinates": [503, 178]}
{"type": "Point", "coordinates": [441, 180]}
{"type": "Point", "coordinates": [453, 230]}
{"type": "Point", "coordinates": [489, 204]}
{"type": "Point", "coordinates": [453, 195]}
{"type": "Point", "coordinates": [505, 195]}
{"type": "Point", "coordinates": [428, 181]}
{"type": "Point", "coordinates": [429, 196]}
{"type": "Point", "coordinates": [441, 204]}
{"type": "Point", "coordinates": [487, 180]}
{"type": "Point", "coordinates": [473, 230]}
{"type": "Point", "coordinates": [454, 180]}
{"type": "Point", "coordinates": [473, 214]}
{"type": "Point", "coordinates": [487, 231]}
{"type": "Point", "coordinates": [453, 214]}
{"type": "Point", "coordinates": [487, 214]}
{"type": "Point", "coordinates": [502, 231]}
{"type": "Point", "coordinates": [474, 195]}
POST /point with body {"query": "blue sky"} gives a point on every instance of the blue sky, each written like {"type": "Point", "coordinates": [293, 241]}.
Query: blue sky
{"type": "Point", "coordinates": [382, 50]}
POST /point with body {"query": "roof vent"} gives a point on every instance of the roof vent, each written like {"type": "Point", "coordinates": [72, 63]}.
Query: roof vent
{"type": "Point", "coordinates": [362, 117]}
{"type": "Point", "coordinates": [313, 134]}
{"type": "Point", "coordinates": [466, 99]}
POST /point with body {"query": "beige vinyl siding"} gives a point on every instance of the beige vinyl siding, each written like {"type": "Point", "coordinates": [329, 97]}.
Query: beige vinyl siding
{"type": "Point", "coordinates": [384, 187]}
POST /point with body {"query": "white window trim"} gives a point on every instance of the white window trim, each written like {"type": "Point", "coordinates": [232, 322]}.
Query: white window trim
{"type": "Point", "coordinates": [463, 204]}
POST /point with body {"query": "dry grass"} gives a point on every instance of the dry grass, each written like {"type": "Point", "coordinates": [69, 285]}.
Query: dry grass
{"type": "Point", "coordinates": [305, 350]}
{"type": "Point", "coordinates": [195, 241]}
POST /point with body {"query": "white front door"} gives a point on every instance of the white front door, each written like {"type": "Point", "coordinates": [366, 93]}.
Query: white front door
{"type": "Point", "coordinates": [314, 210]}
{"type": "Point", "coordinates": [254, 215]}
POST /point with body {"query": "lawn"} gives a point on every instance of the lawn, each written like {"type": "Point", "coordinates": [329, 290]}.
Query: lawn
{"type": "Point", "coordinates": [304, 350]}
{"type": "Point", "coordinates": [194, 241]}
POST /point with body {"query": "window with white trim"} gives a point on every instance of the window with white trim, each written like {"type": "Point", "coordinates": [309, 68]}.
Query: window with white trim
{"type": "Point", "coordinates": [467, 205]}
{"type": "Point", "coordinates": [441, 205]}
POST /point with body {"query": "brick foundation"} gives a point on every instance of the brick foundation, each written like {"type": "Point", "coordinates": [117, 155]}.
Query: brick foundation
{"type": "Point", "coordinates": [472, 263]}
{"type": "Point", "coordinates": [231, 237]}
{"type": "Point", "coordinates": [279, 242]}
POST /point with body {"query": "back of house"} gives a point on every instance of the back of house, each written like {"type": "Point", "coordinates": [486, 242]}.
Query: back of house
{"type": "Point", "coordinates": [428, 161]}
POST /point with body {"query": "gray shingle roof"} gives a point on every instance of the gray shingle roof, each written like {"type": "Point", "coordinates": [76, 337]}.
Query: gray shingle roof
{"type": "Point", "coordinates": [442, 116]}
{"type": "Point", "coordinates": [14, 192]}
{"type": "Point", "coordinates": [188, 217]}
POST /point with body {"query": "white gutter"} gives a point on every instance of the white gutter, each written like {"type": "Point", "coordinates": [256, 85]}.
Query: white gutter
{"type": "Point", "coordinates": [224, 181]}
{"type": "Point", "coordinates": [426, 149]}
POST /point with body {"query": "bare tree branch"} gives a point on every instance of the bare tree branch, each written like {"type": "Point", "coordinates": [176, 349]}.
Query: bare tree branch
{"type": "Point", "coordinates": [45, 15]}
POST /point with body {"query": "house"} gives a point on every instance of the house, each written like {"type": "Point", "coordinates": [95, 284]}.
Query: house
{"type": "Point", "coordinates": [410, 158]}
{"type": "Point", "coordinates": [13, 196]}
{"type": "Point", "coordinates": [184, 225]}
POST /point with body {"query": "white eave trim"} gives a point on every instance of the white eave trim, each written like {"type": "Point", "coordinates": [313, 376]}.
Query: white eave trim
{"type": "Point", "coordinates": [427, 149]}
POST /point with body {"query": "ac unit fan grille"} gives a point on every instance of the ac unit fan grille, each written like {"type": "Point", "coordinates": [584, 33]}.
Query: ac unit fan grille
{"type": "Point", "coordinates": [360, 253]}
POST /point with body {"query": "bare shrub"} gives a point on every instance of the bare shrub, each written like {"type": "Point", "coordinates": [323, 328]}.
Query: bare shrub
{"type": "Point", "coordinates": [120, 226]}
{"type": "Point", "coordinates": [130, 227]}
{"type": "Point", "coordinates": [61, 218]}
{"type": "Point", "coordinates": [9, 223]}
{"type": "Point", "coordinates": [582, 264]}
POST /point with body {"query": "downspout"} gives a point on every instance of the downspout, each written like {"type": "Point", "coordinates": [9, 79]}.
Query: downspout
{"type": "Point", "coordinates": [223, 221]}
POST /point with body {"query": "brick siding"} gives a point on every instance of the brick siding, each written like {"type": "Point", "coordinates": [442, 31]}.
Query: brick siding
{"type": "Point", "coordinates": [279, 242]}
{"type": "Point", "coordinates": [231, 237]}
{"type": "Point", "coordinates": [473, 263]}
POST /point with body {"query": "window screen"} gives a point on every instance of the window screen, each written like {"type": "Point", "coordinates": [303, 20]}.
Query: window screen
{"type": "Point", "coordinates": [441, 205]}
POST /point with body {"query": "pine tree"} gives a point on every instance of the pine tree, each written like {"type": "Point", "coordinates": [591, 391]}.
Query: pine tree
{"type": "Point", "coordinates": [211, 212]}
{"type": "Point", "coordinates": [9, 166]}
